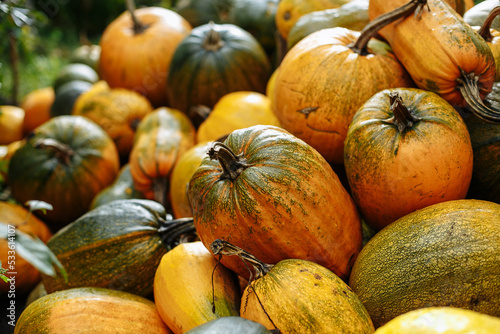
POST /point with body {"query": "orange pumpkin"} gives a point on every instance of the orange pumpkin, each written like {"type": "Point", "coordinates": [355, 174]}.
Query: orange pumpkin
{"type": "Point", "coordinates": [11, 124]}
{"type": "Point", "coordinates": [137, 55]}
{"type": "Point", "coordinates": [26, 276]}
{"type": "Point", "coordinates": [36, 105]}
{"type": "Point", "coordinates": [406, 149]}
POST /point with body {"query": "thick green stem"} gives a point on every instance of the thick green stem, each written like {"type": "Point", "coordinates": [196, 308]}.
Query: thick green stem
{"type": "Point", "coordinates": [213, 40]}
{"type": "Point", "coordinates": [62, 151]}
{"type": "Point", "coordinates": [172, 232]}
{"type": "Point", "coordinates": [372, 28]}
{"type": "Point", "coordinates": [402, 117]}
{"type": "Point", "coordinates": [485, 31]}
{"type": "Point", "coordinates": [232, 165]}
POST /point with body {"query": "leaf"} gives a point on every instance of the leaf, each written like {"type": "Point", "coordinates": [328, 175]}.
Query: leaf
{"type": "Point", "coordinates": [39, 205]}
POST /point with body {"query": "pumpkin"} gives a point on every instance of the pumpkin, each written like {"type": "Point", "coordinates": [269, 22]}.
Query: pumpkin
{"type": "Point", "coordinates": [236, 110]}
{"type": "Point", "coordinates": [66, 96]}
{"type": "Point", "coordinates": [90, 310]}
{"type": "Point", "coordinates": [231, 324]}
{"type": "Point", "coordinates": [36, 105]}
{"type": "Point", "coordinates": [477, 14]}
{"type": "Point", "coordinates": [198, 13]}
{"type": "Point", "coordinates": [460, 6]}
{"type": "Point", "coordinates": [492, 37]}
{"type": "Point", "coordinates": [117, 111]}
{"type": "Point", "coordinates": [352, 15]}
{"type": "Point", "coordinates": [162, 138]}
{"type": "Point", "coordinates": [75, 71]}
{"type": "Point", "coordinates": [11, 124]}
{"type": "Point", "coordinates": [442, 53]}
{"type": "Point", "coordinates": [289, 11]}
{"type": "Point", "coordinates": [298, 296]}
{"type": "Point", "coordinates": [121, 188]}
{"type": "Point", "coordinates": [136, 50]}
{"type": "Point", "coordinates": [117, 245]}
{"type": "Point", "coordinates": [437, 320]}
{"type": "Point", "coordinates": [214, 60]}
{"type": "Point", "coordinates": [181, 175]}
{"type": "Point", "coordinates": [67, 161]}
{"type": "Point", "coordinates": [15, 217]}
{"type": "Point", "coordinates": [406, 149]}
{"type": "Point", "coordinates": [87, 54]}
{"type": "Point", "coordinates": [190, 289]}
{"type": "Point", "coordinates": [37, 292]}
{"type": "Point", "coordinates": [6, 153]}
{"type": "Point", "coordinates": [271, 192]}
{"type": "Point", "coordinates": [326, 77]}
{"type": "Point", "coordinates": [446, 254]}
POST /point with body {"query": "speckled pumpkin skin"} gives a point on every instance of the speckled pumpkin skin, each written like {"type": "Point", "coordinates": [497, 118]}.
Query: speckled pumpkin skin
{"type": "Point", "coordinates": [288, 204]}
{"type": "Point", "coordinates": [447, 254]}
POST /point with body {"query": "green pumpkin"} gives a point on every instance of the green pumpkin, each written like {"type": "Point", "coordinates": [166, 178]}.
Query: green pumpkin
{"type": "Point", "coordinates": [229, 325]}
{"type": "Point", "coordinates": [118, 245]}
{"type": "Point", "coordinates": [213, 61]}
{"type": "Point", "coordinates": [66, 162]}
{"type": "Point", "coordinates": [198, 12]}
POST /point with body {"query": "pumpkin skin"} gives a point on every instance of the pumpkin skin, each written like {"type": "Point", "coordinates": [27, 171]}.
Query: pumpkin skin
{"type": "Point", "coordinates": [198, 13]}
{"type": "Point", "coordinates": [322, 82]}
{"type": "Point", "coordinates": [303, 297]}
{"type": "Point", "coordinates": [431, 54]}
{"type": "Point", "coordinates": [288, 200]}
{"type": "Point", "coordinates": [118, 111]}
{"type": "Point", "coordinates": [438, 320]}
{"type": "Point", "coordinates": [446, 254]}
{"type": "Point", "coordinates": [183, 288]}
{"type": "Point", "coordinates": [162, 138]}
{"type": "Point", "coordinates": [391, 172]}
{"type": "Point", "coordinates": [36, 105]}
{"type": "Point", "coordinates": [90, 310]}
{"type": "Point", "coordinates": [230, 324]}
{"type": "Point", "coordinates": [214, 60]}
{"type": "Point", "coordinates": [181, 175]}
{"type": "Point", "coordinates": [11, 124]}
{"type": "Point", "coordinates": [140, 61]}
{"type": "Point", "coordinates": [117, 246]}
{"type": "Point", "coordinates": [67, 161]}
{"type": "Point", "coordinates": [236, 110]}
{"type": "Point", "coordinates": [26, 276]}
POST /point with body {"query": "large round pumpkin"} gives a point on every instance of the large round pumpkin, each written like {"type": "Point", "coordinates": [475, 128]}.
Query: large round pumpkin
{"type": "Point", "coordinates": [270, 193]}
{"type": "Point", "coordinates": [67, 161]}
{"type": "Point", "coordinates": [447, 254]}
{"type": "Point", "coordinates": [90, 310]}
{"type": "Point", "coordinates": [323, 80]}
{"type": "Point", "coordinates": [16, 217]}
{"type": "Point", "coordinates": [406, 149]}
{"type": "Point", "coordinates": [216, 59]}
{"type": "Point", "coordinates": [138, 56]}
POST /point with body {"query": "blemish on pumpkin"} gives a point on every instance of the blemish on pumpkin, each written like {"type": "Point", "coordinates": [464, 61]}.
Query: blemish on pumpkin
{"type": "Point", "coordinates": [287, 15]}
{"type": "Point", "coordinates": [306, 111]}
{"type": "Point", "coordinates": [318, 276]}
{"type": "Point", "coordinates": [302, 270]}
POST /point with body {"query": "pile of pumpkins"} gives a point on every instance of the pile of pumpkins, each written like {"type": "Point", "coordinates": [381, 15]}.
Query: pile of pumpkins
{"type": "Point", "coordinates": [267, 166]}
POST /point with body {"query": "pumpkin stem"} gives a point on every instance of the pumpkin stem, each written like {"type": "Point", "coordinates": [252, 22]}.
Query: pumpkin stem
{"type": "Point", "coordinates": [403, 118]}
{"type": "Point", "coordinates": [139, 27]}
{"type": "Point", "coordinates": [372, 28]}
{"type": "Point", "coordinates": [172, 231]}
{"type": "Point", "coordinates": [468, 86]}
{"type": "Point", "coordinates": [62, 151]}
{"type": "Point", "coordinates": [160, 190]}
{"type": "Point", "coordinates": [221, 247]}
{"type": "Point", "coordinates": [213, 40]}
{"type": "Point", "coordinates": [485, 31]}
{"type": "Point", "coordinates": [233, 165]}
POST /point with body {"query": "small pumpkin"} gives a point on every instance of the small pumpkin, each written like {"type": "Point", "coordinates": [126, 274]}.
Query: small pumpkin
{"type": "Point", "coordinates": [236, 110]}
{"type": "Point", "coordinates": [438, 320]}
{"type": "Point", "coordinates": [214, 60]}
{"type": "Point", "coordinates": [446, 254]}
{"type": "Point", "coordinates": [67, 161]}
{"type": "Point", "coordinates": [118, 111]}
{"type": "Point", "coordinates": [66, 96]}
{"type": "Point", "coordinates": [92, 310]}
{"type": "Point", "coordinates": [406, 149]}
{"type": "Point", "coordinates": [181, 175]}
{"type": "Point", "coordinates": [298, 296]}
{"type": "Point", "coordinates": [36, 105]}
{"type": "Point", "coordinates": [75, 71]}
{"type": "Point", "coordinates": [198, 13]}
{"type": "Point", "coordinates": [231, 324]}
{"type": "Point", "coordinates": [11, 124]}
{"type": "Point", "coordinates": [271, 192]}
{"type": "Point", "coordinates": [190, 289]}
{"type": "Point", "coordinates": [117, 245]}
{"type": "Point", "coordinates": [15, 217]}
{"type": "Point", "coordinates": [477, 14]}
{"type": "Point", "coordinates": [137, 48]}
{"type": "Point", "coordinates": [161, 140]}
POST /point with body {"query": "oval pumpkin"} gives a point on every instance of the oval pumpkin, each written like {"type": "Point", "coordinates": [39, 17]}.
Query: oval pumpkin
{"type": "Point", "coordinates": [406, 149]}
{"type": "Point", "coordinates": [36, 105]}
{"type": "Point", "coordinates": [11, 124]}
{"type": "Point", "coordinates": [446, 254]}
{"type": "Point", "coordinates": [95, 310]}
{"type": "Point", "coordinates": [190, 289]}
{"type": "Point", "coordinates": [270, 192]}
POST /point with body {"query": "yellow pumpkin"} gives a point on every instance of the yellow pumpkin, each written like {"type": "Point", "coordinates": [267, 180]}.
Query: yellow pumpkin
{"type": "Point", "coordinates": [11, 124]}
